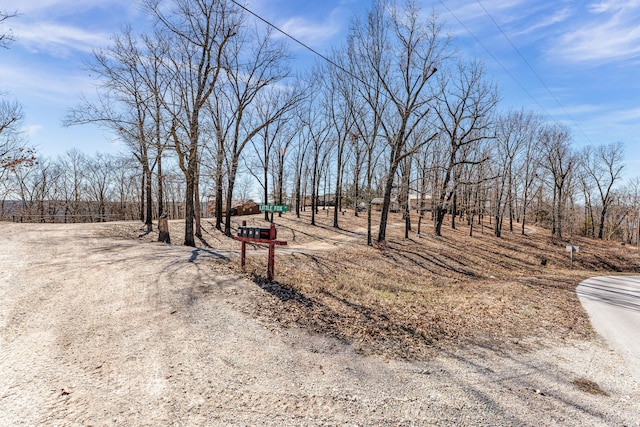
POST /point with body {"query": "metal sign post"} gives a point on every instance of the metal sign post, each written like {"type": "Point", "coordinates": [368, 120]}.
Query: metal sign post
{"type": "Point", "coordinates": [571, 250]}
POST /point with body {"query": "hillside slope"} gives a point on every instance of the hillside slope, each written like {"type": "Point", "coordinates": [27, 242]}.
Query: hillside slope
{"type": "Point", "coordinates": [424, 292]}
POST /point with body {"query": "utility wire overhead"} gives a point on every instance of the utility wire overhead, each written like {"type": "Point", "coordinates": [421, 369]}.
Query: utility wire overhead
{"type": "Point", "coordinates": [467, 29]}
{"type": "Point", "coordinates": [528, 64]}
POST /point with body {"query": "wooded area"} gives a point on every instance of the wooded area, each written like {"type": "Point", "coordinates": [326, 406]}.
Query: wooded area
{"type": "Point", "coordinates": [209, 108]}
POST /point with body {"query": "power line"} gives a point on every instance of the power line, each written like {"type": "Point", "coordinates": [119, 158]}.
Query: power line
{"type": "Point", "coordinates": [505, 69]}
{"type": "Point", "coordinates": [531, 68]}
{"type": "Point", "coordinates": [309, 48]}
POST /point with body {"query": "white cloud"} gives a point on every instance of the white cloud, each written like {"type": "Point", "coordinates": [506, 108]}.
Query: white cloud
{"type": "Point", "coordinates": [612, 35]}
{"type": "Point", "coordinates": [61, 27]}
{"type": "Point", "coordinates": [612, 5]}
{"type": "Point", "coordinates": [612, 124]}
{"type": "Point", "coordinates": [56, 8]}
{"type": "Point", "coordinates": [631, 116]}
{"type": "Point", "coordinates": [523, 21]}
{"type": "Point", "coordinates": [555, 17]}
{"type": "Point", "coordinates": [313, 32]}
{"type": "Point", "coordinates": [45, 83]}
{"type": "Point", "coordinates": [58, 40]}
{"type": "Point", "coordinates": [470, 11]}
{"type": "Point", "coordinates": [32, 130]}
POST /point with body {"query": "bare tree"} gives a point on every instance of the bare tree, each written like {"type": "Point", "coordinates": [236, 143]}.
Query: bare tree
{"type": "Point", "coordinates": [301, 147]}
{"type": "Point", "coordinates": [399, 53]}
{"type": "Point", "coordinates": [13, 146]}
{"type": "Point", "coordinates": [318, 132]}
{"type": "Point", "coordinates": [129, 105]}
{"type": "Point", "coordinates": [6, 36]}
{"type": "Point", "coordinates": [339, 91]}
{"type": "Point", "coordinates": [603, 167]}
{"type": "Point", "coordinates": [73, 165]}
{"type": "Point", "coordinates": [465, 104]}
{"type": "Point", "coordinates": [99, 179]}
{"type": "Point", "coordinates": [368, 109]}
{"type": "Point", "coordinates": [198, 32]}
{"type": "Point", "coordinates": [270, 147]}
{"type": "Point", "coordinates": [253, 64]}
{"type": "Point", "coordinates": [281, 155]}
{"type": "Point", "coordinates": [527, 163]}
{"type": "Point", "coordinates": [559, 161]}
{"type": "Point", "coordinates": [513, 156]}
{"type": "Point", "coordinates": [631, 224]}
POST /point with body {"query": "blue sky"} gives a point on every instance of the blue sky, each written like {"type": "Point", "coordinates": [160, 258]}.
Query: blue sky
{"type": "Point", "coordinates": [577, 61]}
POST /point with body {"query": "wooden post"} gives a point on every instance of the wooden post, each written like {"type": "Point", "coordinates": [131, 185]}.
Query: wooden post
{"type": "Point", "coordinates": [243, 248]}
{"type": "Point", "coordinates": [270, 267]}
{"type": "Point", "coordinates": [271, 242]}
{"type": "Point", "coordinates": [163, 227]}
{"type": "Point", "coordinates": [243, 253]}
{"type": "Point", "coordinates": [272, 237]}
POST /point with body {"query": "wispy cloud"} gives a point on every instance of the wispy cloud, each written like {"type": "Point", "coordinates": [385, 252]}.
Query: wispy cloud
{"type": "Point", "coordinates": [36, 82]}
{"type": "Point", "coordinates": [532, 27]}
{"type": "Point", "coordinates": [59, 27]}
{"type": "Point", "coordinates": [605, 125]}
{"type": "Point", "coordinates": [32, 130]}
{"type": "Point", "coordinates": [58, 40]}
{"type": "Point", "coordinates": [611, 34]}
{"type": "Point", "coordinates": [471, 11]}
{"type": "Point", "coordinates": [525, 22]}
{"type": "Point", "coordinates": [56, 8]}
{"type": "Point", "coordinates": [315, 33]}
{"type": "Point", "coordinates": [612, 5]}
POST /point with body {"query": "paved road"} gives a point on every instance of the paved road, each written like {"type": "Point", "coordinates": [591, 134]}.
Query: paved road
{"type": "Point", "coordinates": [613, 304]}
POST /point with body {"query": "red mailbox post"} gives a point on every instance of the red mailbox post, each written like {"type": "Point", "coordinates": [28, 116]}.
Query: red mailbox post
{"type": "Point", "coordinates": [265, 236]}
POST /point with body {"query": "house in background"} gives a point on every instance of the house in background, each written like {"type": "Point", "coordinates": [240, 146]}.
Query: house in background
{"type": "Point", "coordinates": [238, 208]}
{"type": "Point", "coordinates": [414, 203]}
{"type": "Point", "coordinates": [322, 200]}
{"type": "Point", "coordinates": [245, 208]}
{"type": "Point", "coordinates": [376, 205]}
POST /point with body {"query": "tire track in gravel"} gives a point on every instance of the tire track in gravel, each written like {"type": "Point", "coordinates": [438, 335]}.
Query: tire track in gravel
{"type": "Point", "coordinates": [97, 331]}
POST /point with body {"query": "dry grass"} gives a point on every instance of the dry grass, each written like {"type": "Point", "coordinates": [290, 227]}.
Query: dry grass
{"type": "Point", "coordinates": [425, 292]}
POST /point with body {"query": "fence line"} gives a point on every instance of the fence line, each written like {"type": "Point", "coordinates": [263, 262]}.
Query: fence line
{"type": "Point", "coordinates": [69, 218]}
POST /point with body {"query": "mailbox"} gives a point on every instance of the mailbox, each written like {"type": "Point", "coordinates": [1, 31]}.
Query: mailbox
{"type": "Point", "coordinates": [265, 233]}
{"type": "Point", "coordinates": [261, 233]}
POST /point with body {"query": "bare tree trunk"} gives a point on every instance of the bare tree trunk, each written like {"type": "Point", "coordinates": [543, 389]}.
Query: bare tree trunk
{"type": "Point", "coordinates": [189, 207]}
{"type": "Point", "coordinates": [196, 204]}
{"type": "Point", "coordinates": [143, 187]}
{"type": "Point", "coordinates": [149, 194]}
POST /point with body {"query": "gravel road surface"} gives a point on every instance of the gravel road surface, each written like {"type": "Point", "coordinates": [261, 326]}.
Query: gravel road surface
{"type": "Point", "coordinates": [106, 332]}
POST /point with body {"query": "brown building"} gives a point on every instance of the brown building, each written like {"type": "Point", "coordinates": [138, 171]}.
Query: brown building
{"type": "Point", "coordinates": [238, 208]}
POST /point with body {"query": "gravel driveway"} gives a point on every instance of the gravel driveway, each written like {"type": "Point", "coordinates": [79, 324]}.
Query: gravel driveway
{"type": "Point", "coordinates": [98, 331]}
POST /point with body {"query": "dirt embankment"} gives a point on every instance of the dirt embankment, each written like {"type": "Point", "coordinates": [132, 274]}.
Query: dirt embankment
{"type": "Point", "coordinates": [97, 330]}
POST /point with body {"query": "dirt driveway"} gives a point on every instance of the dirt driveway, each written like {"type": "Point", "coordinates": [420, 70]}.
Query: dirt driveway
{"type": "Point", "coordinates": [99, 331]}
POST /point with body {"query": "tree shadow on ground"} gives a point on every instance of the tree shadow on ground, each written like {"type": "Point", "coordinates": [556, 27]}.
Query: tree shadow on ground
{"type": "Point", "coordinates": [281, 291]}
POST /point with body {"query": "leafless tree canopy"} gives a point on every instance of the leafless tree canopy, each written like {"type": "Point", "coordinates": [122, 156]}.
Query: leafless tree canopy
{"type": "Point", "coordinates": [396, 121]}
{"type": "Point", "coordinates": [6, 35]}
